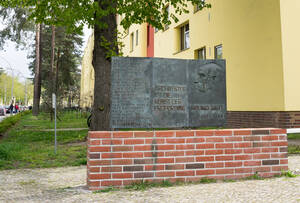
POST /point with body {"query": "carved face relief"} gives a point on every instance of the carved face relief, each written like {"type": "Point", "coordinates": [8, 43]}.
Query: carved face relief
{"type": "Point", "coordinates": [206, 77]}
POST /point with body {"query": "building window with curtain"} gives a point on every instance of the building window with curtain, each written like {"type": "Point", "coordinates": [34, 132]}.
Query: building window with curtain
{"type": "Point", "coordinates": [219, 51]}
{"type": "Point", "coordinates": [185, 37]}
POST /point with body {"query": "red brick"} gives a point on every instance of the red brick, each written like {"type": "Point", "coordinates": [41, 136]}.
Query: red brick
{"type": "Point", "coordinates": [143, 148]}
{"type": "Point", "coordinates": [205, 158]}
{"type": "Point", "coordinates": [214, 151]}
{"type": "Point", "coordinates": [94, 169]}
{"type": "Point", "coordinates": [184, 133]}
{"type": "Point", "coordinates": [224, 171]}
{"type": "Point", "coordinates": [204, 133]}
{"type": "Point", "coordinates": [233, 139]}
{"type": "Point", "coordinates": [269, 149]}
{"type": "Point", "coordinates": [194, 166]}
{"type": "Point", "coordinates": [261, 156]}
{"type": "Point", "coordinates": [99, 162]}
{"type": "Point", "coordinates": [143, 161]}
{"type": "Point", "coordinates": [283, 161]}
{"type": "Point", "coordinates": [165, 134]}
{"type": "Point", "coordinates": [175, 140]}
{"type": "Point", "coordinates": [269, 137]}
{"type": "Point", "coordinates": [262, 169]}
{"type": "Point", "coordinates": [165, 147]}
{"type": "Point", "coordinates": [185, 173]}
{"type": "Point", "coordinates": [252, 150]}
{"type": "Point", "coordinates": [154, 154]}
{"type": "Point", "coordinates": [133, 168]}
{"type": "Point", "coordinates": [243, 170]}
{"type": "Point", "coordinates": [122, 175]}
{"type": "Point", "coordinates": [154, 167]}
{"type": "Point", "coordinates": [99, 134]}
{"type": "Point", "coordinates": [278, 131]}
{"type": "Point", "coordinates": [165, 160]}
{"type": "Point", "coordinates": [184, 159]}
{"type": "Point", "coordinates": [224, 145]}
{"type": "Point", "coordinates": [268, 175]}
{"type": "Point", "coordinates": [156, 141]}
{"type": "Point", "coordinates": [112, 142]}
{"type": "Point", "coordinates": [205, 172]}
{"type": "Point", "coordinates": [122, 134]}
{"type": "Point", "coordinates": [174, 153]}
{"type": "Point", "coordinates": [252, 138]}
{"type": "Point", "coordinates": [281, 155]}
{"type": "Point", "coordinates": [134, 141]}
{"type": "Point", "coordinates": [223, 132]}
{"type": "Point", "coordinates": [252, 163]}
{"type": "Point", "coordinates": [214, 165]}
{"type": "Point", "coordinates": [205, 146]}
{"type": "Point", "coordinates": [183, 147]}
{"type": "Point", "coordinates": [242, 157]}
{"type": "Point", "coordinates": [233, 151]}
{"type": "Point", "coordinates": [214, 139]}
{"type": "Point", "coordinates": [111, 183]}
{"type": "Point", "coordinates": [279, 143]}
{"type": "Point", "coordinates": [261, 144]}
{"type": "Point", "coordinates": [165, 174]}
{"type": "Point", "coordinates": [234, 164]}
{"type": "Point", "coordinates": [195, 140]}
{"type": "Point", "coordinates": [94, 142]}
{"type": "Point", "coordinates": [133, 155]}
{"type": "Point", "coordinates": [242, 132]}
{"type": "Point", "coordinates": [280, 168]}
{"type": "Point", "coordinates": [129, 182]}
{"type": "Point", "coordinates": [174, 167]}
{"type": "Point", "coordinates": [111, 155]}
{"type": "Point", "coordinates": [224, 158]}
{"type": "Point", "coordinates": [242, 145]}
{"type": "Point", "coordinates": [143, 134]}
{"type": "Point", "coordinates": [99, 176]}
{"type": "Point", "coordinates": [260, 132]}
{"type": "Point", "coordinates": [93, 183]}
{"type": "Point", "coordinates": [122, 148]}
{"type": "Point", "coordinates": [194, 152]}
{"type": "Point", "coordinates": [174, 180]}
{"type": "Point", "coordinates": [111, 169]}
{"type": "Point", "coordinates": [94, 156]}
{"type": "Point", "coordinates": [99, 149]}
{"type": "Point", "coordinates": [122, 161]}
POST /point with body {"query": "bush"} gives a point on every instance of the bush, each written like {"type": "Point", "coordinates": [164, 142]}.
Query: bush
{"type": "Point", "coordinates": [8, 122]}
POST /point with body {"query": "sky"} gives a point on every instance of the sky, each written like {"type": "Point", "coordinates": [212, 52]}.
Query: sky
{"type": "Point", "coordinates": [17, 59]}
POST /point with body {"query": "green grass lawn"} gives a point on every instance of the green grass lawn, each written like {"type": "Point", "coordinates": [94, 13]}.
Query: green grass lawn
{"type": "Point", "coordinates": [294, 136]}
{"type": "Point", "coordinates": [27, 146]}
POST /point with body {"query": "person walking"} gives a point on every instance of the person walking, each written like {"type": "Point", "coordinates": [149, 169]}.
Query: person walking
{"type": "Point", "coordinates": [11, 109]}
{"type": "Point", "coordinates": [17, 107]}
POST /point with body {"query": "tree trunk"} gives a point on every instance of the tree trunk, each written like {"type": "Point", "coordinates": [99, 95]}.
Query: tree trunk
{"type": "Point", "coordinates": [102, 69]}
{"type": "Point", "coordinates": [37, 75]}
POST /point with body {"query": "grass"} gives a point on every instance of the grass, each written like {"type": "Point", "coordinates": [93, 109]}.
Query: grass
{"type": "Point", "coordinates": [29, 147]}
{"type": "Point", "coordinates": [294, 136]}
{"type": "Point", "coordinates": [294, 149]}
{"type": "Point", "coordinates": [10, 121]}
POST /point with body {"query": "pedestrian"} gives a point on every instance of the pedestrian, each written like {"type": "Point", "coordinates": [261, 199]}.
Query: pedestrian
{"type": "Point", "coordinates": [17, 108]}
{"type": "Point", "coordinates": [11, 108]}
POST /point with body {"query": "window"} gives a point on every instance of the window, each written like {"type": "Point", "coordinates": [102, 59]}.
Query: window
{"type": "Point", "coordinates": [131, 41]}
{"type": "Point", "coordinates": [167, 10]}
{"type": "Point", "coordinates": [136, 37]}
{"type": "Point", "coordinates": [185, 37]}
{"type": "Point", "coordinates": [200, 5]}
{"type": "Point", "coordinates": [219, 52]}
{"type": "Point", "coordinates": [201, 53]}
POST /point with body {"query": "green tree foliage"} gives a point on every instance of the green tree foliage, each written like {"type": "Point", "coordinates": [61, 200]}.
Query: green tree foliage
{"type": "Point", "coordinates": [67, 60]}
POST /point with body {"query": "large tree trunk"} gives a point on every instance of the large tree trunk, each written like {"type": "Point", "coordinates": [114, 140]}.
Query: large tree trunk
{"type": "Point", "coordinates": [37, 75]}
{"type": "Point", "coordinates": [102, 67]}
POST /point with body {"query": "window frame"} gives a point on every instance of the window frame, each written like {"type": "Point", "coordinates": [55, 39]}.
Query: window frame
{"type": "Point", "coordinates": [216, 52]}
{"type": "Point", "coordinates": [184, 32]}
{"type": "Point", "coordinates": [136, 37]}
{"type": "Point", "coordinates": [204, 51]}
{"type": "Point", "coordinates": [131, 41]}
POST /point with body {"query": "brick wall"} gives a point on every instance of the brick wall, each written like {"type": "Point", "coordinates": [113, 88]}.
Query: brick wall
{"type": "Point", "coordinates": [263, 119]}
{"type": "Point", "coordinates": [121, 158]}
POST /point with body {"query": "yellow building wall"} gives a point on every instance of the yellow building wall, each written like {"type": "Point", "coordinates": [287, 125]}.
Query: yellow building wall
{"type": "Point", "coordinates": [291, 44]}
{"type": "Point", "coordinates": [87, 75]}
{"type": "Point", "coordinates": [250, 32]}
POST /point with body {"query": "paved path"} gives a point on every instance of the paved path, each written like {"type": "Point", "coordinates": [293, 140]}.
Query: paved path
{"type": "Point", "coordinates": [68, 185]}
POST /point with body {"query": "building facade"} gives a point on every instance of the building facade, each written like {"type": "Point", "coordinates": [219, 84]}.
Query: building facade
{"type": "Point", "coordinates": [258, 39]}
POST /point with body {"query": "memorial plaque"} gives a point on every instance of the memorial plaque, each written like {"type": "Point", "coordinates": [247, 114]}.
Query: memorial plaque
{"type": "Point", "coordinates": [167, 93]}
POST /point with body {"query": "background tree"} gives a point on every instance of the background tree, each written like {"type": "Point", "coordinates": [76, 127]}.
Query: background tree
{"type": "Point", "coordinates": [101, 15]}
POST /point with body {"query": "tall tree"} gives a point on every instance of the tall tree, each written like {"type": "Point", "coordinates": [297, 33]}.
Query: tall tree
{"type": "Point", "coordinates": [101, 15]}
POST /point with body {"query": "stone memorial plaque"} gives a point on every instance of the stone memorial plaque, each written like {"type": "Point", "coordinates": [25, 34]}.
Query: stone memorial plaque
{"type": "Point", "coordinates": [167, 93]}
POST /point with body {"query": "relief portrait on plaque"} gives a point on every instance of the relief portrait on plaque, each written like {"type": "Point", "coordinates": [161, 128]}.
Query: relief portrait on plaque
{"type": "Point", "coordinates": [207, 77]}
